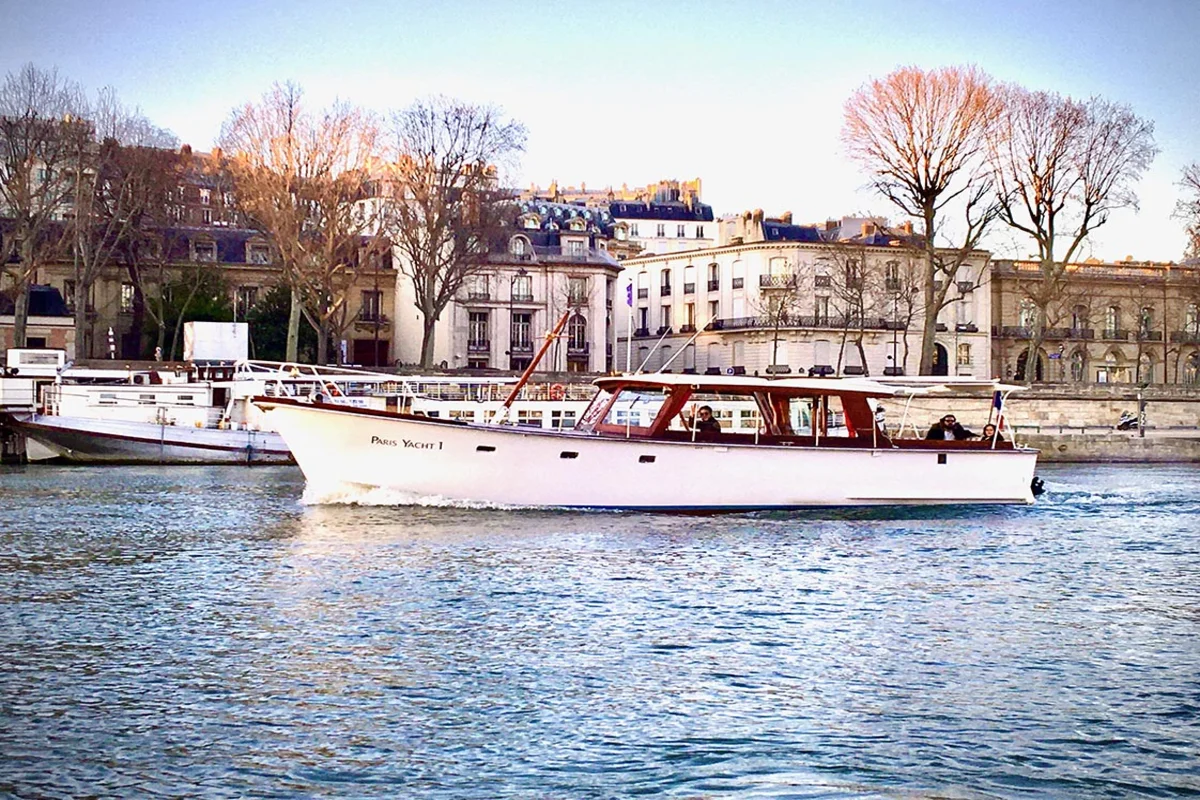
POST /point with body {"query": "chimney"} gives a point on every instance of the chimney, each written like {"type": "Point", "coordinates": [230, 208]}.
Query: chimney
{"type": "Point", "coordinates": [786, 218]}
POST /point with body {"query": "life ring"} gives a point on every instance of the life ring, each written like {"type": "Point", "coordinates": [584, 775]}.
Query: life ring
{"type": "Point", "coordinates": [557, 392]}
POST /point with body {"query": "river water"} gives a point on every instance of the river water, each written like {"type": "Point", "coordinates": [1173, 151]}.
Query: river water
{"type": "Point", "coordinates": [201, 632]}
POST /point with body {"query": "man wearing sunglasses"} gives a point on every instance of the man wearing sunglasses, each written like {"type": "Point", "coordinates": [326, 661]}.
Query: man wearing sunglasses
{"type": "Point", "coordinates": [948, 428]}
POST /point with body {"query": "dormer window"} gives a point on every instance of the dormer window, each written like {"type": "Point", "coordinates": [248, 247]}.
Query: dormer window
{"type": "Point", "coordinates": [531, 222]}
{"type": "Point", "coordinates": [577, 224]}
{"type": "Point", "coordinates": [519, 246]}
{"type": "Point", "coordinates": [204, 251]}
{"type": "Point", "coordinates": [258, 253]}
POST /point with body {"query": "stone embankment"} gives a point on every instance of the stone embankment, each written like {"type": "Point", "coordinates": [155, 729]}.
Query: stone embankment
{"type": "Point", "coordinates": [1077, 423]}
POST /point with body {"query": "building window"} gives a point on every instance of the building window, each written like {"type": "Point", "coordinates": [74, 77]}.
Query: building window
{"type": "Point", "coordinates": [1027, 315]}
{"type": "Point", "coordinates": [664, 285]}
{"type": "Point", "coordinates": [522, 288]}
{"type": "Point", "coordinates": [372, 303]}
{"type": "Point", "coordinates": [689, 315]}
{"type": "Point", "coordinates": [522, 324]}
{"type": "Point", "coordinates": [714, 310]}
{"type": "Point", "coordinates": [204, 251]}
{"type": "Point", "coordinates": [633, 229]}
{"type": "Point", "coordinates": [577, 333]}
{"type": "Point", "coordinates": [205, 197]}
{"type": "Point", "coordinates": [1112, 320]}
{"type": "Point", "coordinates": [477, 331]}
{"type": "Point", "coordinates": [891, 276]}
{"type": "Point", "coordinates": [246, 297]}
{"type": "Point", "coordinates": [1191, 320]}
{"type": "Point", "coordinates": [206, 216]}
{"type": "Point", "coordinates": [821, 306]}
{"type": "Point", "coordinates": [575, 248]}
{"type": "Point", "coordinates": [1146, 320]}
{"type": "Point", "coordinates": [69, 295]}
{"type": "Point", "coordinates": [699, 231]}
{"type": "Point", "coordinates": [258, 253]}
{"type": "Point", "coordinates": [1077, 367]}
{"type": "Point", "coordinates": [680, 231]}
{"type": "Point", "coordinates": [964, 354]}
{"type": "Point", "coordinates": [577, 292]}
{"type": "Point", "coordinates": [518, 246]}
{"type": "Point", "coordinates": [1079, 317]}
{"type": "Point", "coordinates": [661, 230]}
{"type": "Point", "coordinates": [127, 298]}
{"type": "Point", "coordinates": [664, 318]}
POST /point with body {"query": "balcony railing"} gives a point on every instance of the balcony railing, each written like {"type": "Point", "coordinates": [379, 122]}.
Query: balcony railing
{"type": "Point", "coordinates": [714, 285]}
{"type": "Point", "coordinates": [521, 347]}
{"type": "Point", "coordinates": [1116, 334]}
{"type": "Point", "coordinates": [738, 283]}
{"type": "Point", "coordinates": [643, 294]}
{"type": "Point", "coordinates": [479, 346]}
{"type": "Point", "coordinates": [689, 288]}
{"type": "Point", "coordinates": [806, 321]}
{"type": "Point", "coordinates": [577, 349]}
{"type": "Point", "coordinates": [966, 327]}
{"type": "Point", "coordinates": [891, 284]}
{"type": "Point", "coordinates": [966, 286]}
{"type": "Point", "coordinates": [822, 281]}
{"type": "Point", "coordinates": [687, 328]}
{"type": "Point", "coordinates": [664, 290]}
{"type": "Point", "coordinates": [785, 281]}
{"type": "Point", "coordinates": [1185, 337]}
{"type": "Point", "coordinates": [663, 329]}
{"type": "Point", "coordinates": [1150, 336]}
{"type": "Point", "coordinates": [642, 332]}
{"type": "Point", "coordinates": [479, 295]}
{"type": "Point", "coordinates": [519, 297]}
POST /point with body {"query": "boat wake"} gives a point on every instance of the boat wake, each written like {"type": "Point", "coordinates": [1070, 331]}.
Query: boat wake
{"type": "Point", "coordinates": [357, 494]}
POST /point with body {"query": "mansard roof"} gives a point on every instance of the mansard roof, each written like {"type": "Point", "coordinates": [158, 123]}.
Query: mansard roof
{"type": "Point", "coordinates": [774, 231]}
{"type": "Point", "coordinates": [671, 212]}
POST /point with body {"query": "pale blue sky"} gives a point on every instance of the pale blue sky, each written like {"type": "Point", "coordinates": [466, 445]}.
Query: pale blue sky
{"type": "Point", "coordinates": [746, 96]}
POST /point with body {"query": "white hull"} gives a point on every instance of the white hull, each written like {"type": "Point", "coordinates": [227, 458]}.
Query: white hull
{"type": "Point", "coordinates": [522, 467]}
{"type": "Point", "coordinates": [93, 441]}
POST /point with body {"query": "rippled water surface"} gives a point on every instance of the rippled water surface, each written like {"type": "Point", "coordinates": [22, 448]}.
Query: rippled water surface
{"type": "Point", "coordinates": [191, 632]}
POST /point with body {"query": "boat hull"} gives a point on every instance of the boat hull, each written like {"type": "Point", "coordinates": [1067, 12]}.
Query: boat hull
{"type": "Point", "coordinates": [526, 467]}
{"type": "Point", "coordinates": [95, 441]}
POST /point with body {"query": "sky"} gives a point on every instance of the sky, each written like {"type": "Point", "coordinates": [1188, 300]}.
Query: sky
{"type": "Point", "coordinates": [746, 96]}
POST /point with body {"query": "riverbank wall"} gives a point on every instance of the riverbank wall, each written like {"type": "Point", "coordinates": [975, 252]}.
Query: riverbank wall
{"type": "Point", "coordinates": [1075, 423]}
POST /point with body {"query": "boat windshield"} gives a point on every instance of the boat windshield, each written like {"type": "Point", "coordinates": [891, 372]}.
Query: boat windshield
{"type": "Point", "coordinates": [635, 407]}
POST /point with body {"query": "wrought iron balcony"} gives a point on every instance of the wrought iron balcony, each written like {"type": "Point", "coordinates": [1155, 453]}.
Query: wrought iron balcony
{"type": "Point", "coordinates": [892, 284]}
{"type": "Point", "coordinates": [1014, 332]}
{"type": "Point", "coordinates": [784, 281]}
{"type": "Point", "coordinates": [520, 297]}
{"type": "Point", "coordinates": [687, 328]}
{"type": "Point", "coordinates": [714, 285]}
{"type": "Point", "coordinates": [1116, 334]}
{"type": "Point", "coordinates": [577, 349]}
{"type": "Point", "coordinates": [822, 281]}
{"type": "Point", "coordinates": [517, 348]}
{"type": "Point", "coordinates": [1149, 336]}
{"type": "Point", "coordinates": [1068, 333]}
{"type": "Point", "coordinates": [664, 290]}
{"type": "Point", "coordinates": [642, 332]}
{"type": "Point", "coordinates": [966, 286]}
{"type": "Point", "coordinates": [689, 288]}
{"type": "Point", "coordinates": [1185, 337]}
{"type": "Point", "coordinates": [738, 283]}
{"type": "Point", "coordinates": [663, 329]}
{"type": "Point", "coordinates": [478, 295]}
{"type": "Point", "coordinates": [643, 294]}
{"type": "Point", "coordinates": [479, 346]}
{"type": "Point", "coordinates": [966, 327]}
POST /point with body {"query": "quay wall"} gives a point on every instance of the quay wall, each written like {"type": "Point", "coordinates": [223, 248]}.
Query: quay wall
{"type": "Point", "coordinates": [1076, 424]}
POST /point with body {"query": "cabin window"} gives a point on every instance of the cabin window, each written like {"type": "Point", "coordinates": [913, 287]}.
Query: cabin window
{"type": "Point", "coordinates": [635, 407]}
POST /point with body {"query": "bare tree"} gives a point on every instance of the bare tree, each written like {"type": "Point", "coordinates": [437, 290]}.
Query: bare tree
{"type": "Point", "coordinates": [921, 136]}
{"type": "Point", "coordinates": [1188, 208]}
{"type": "Point", "coordinates": [1061, 167]}
{"type": "Point", "coordinates": [855, 292]}
{"type": "Point", "coordinates": [780, 302]}
{"type": "Point", "coordinates": [41, 133]}
{"type": "Point", "coordinates": [301, 177]}
{"type": "Point", "coordinates": [446, 206]}
{"type": "Point", "coordinates": [123, 185]}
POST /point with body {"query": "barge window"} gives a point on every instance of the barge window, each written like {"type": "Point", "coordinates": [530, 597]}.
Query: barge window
{"type": "Point", "coordinates": [635, 407]}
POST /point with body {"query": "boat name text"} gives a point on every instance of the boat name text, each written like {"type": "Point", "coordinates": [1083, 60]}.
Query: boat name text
{"type": "Point", "coordinates": [406, 443]}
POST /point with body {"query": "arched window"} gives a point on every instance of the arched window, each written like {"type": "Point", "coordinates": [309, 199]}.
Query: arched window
{"type": "Point", "coordinates": [1079, 317]}
{"type": "Point", "coordinates": [1112, 321]}
{"type": "Point", "coordinates": [518, 245]}
{"type": "Point", "coordinates": [1146, 320]}
{"type": "Point", "coordinates": [577, 332]}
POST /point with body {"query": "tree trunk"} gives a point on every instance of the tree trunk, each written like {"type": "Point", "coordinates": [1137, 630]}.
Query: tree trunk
{"type": "Point", "coordinates": [21, 315]}
{"type": "Point", "coordinates": [428, 326]}
{"type": "Point", "coordinates": [293, 330]}
{"type": "Point", "coordinates": [82, 339]}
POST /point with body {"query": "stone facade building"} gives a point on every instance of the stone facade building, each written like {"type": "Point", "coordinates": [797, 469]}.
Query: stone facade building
{"type": "Point", "coordinates": [1129, 322]}
{"type": "Point", "coordinates": [780, 298]}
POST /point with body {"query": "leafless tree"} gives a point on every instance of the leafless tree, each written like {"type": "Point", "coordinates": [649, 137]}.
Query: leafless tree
{"type": "Point", "coordinates": [780, 302]}
{"type": "Point", "coordinates": [446, 203]}
{"type": "Point", "coordinates": [123, 184]}
{"type": "Point", "coordinates": [1188, 208]}
{"type": "Point", "coordinates": [1061, 167]}
{"type": "Point", "coordinates": [921, 136]}
{"type": "Point", "coordinates": [301, 177]}
{"type": "Point", "coordinates": [41, 131]}
{"type": "Point", "coordinates": [855, 290]}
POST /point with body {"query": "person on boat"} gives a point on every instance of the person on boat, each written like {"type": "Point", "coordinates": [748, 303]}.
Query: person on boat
{"type": "Point", "coordinates": [705, 422]}
{"type": "Point", "coordinates": [989, 433]}
{"type": "Point", "coordinates": [948, 428]}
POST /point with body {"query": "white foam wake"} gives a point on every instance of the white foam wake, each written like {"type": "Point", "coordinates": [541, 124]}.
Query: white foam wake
{"type": "Point", "coordinates": [357, 494]}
